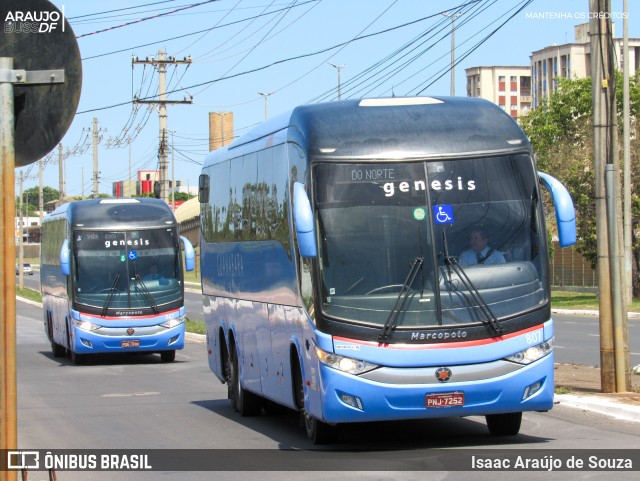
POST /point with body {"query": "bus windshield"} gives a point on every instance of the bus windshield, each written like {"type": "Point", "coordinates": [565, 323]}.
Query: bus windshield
{"type": "Point", "coordinates": [390, 234]}
{"type": "Point", "coordinates": [126, 269]}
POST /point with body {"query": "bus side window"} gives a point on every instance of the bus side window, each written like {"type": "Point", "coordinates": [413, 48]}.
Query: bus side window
{"type": "Point", "coordinates": [203, 188]}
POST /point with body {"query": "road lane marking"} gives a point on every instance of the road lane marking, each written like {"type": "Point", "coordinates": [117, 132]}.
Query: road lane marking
{"type": "Point", "coordinates": [130, 394]}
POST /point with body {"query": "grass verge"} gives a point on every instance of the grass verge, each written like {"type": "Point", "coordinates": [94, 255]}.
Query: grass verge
{"type": "Point", "coordinates": [559, 300]}
{"type": "Point", "coordinates": [29, 294]}
{"type": "Point", "coordinates": [582, 300]}
{"type": "Point", "coordinates": [196, 327]}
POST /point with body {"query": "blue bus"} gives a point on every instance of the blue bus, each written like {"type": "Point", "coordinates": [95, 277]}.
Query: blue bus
{"type": "Point", "coordinates": [111, 276]}
{"type": "Point", "coordinates": [332, 268]}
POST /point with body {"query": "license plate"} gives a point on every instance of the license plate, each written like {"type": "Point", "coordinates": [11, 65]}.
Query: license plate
{"type": "Point", "coordinates": [130, 343]}
{"type": "Point", "coordinates": [444, 400]}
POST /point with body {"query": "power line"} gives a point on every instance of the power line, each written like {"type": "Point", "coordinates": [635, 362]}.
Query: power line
{"type": "Point", "coordinates": [119, 10]}
{"type": "Point", "coordinates": [525, 3]}
{"type": "Point", "coordinates": [277, 62]}
{"type": "Point", "coordinates": [145, 19]}
{"type": "Point", "coordinates": [164, 40]}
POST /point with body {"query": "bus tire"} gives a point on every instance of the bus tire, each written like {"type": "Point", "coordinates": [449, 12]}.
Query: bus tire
{"type": "Point", "coordinates": [73, 355]}
{"type": "Point", "coordinates": [317, 431]}
{"type": "Point", "coordinates": [507, 424]}
{"type": "Point", "coordinates": [243, 401]}
{"type": "Point", "coordinates": [168, 356]}
{"type": "Point", "coordinates": [56, 349]}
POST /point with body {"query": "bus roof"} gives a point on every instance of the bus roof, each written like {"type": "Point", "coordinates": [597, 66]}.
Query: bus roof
{"type": "Point", "coordinates": [107, 214]}
{"type": "Point", "coordinates": [394, 127]}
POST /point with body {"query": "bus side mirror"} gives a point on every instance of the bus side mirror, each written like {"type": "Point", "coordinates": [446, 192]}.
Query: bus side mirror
{"type": "Point", "coordinates": [565, 213]}
{"type": "Point", "coordinates": [203, 188]}
{"type": "Point", "coordinates": [64, 258]}
{"type": "Point", "coordinates": [189, 254]}
{"type": "Point", "coordinates": [303, 219]}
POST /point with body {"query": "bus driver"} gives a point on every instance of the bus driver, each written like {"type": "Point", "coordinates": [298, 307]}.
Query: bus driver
{"type": "Point", "coordinates": [480, 252]}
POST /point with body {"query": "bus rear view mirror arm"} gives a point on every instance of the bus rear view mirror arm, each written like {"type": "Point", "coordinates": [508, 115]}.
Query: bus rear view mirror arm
{"type": "Point", "coordinates": [189, 254]}
{"type": "Point", "coordinates": [565, 213]}
{"type": "Point", "coordinates": [303, 218]}
{"type": "Point", "coordinates": [64, 258]}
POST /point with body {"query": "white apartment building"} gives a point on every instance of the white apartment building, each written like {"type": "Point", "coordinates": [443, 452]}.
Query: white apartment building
{"type": "Point", "coordinates": [572, 60]}
{"type": "Point", "coordinates": [521, 88]}
{"type": "Point", "coordinates": [508, 87]}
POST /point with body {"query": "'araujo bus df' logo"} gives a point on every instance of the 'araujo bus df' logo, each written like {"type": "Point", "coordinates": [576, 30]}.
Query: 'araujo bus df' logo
{"type": "Point", "coordinates": [42, 21]}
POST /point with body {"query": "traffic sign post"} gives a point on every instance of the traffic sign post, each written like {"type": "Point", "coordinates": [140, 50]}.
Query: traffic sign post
{"type": "Point", "coordinates": [8, 399]}
{"type": "Point", "coordinates": [40, 79]}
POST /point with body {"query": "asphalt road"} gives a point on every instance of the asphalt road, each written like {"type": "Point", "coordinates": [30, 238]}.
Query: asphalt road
{"type": "Point", "coordinates": [577, 336]}
{"type": "Point", "coordinates": [137, 402]}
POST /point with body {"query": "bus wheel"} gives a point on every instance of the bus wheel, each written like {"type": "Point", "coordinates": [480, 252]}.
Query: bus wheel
{"type": "Point", "coordinates": [168, 356]}
{"type": "Point", "coordinates": [243, 401]}
{"type": "Point", "coordinates": [74, 356]}
{"type": "Point", "coordinates": [317, 431]}
{"type": "Point", "coordinates": [56, 349]}
{"type": "Point", "coordinates": [507, 424]}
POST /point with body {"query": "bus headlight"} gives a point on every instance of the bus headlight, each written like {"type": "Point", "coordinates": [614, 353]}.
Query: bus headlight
{"type": "Point", "coordinates": [342, 363]}
{"type": "Point", "coordinates": [85, 325]}
{"type": "Point", "coordinates": [533, 353]}
{"type": "Point", "coordinates": [172, 322]}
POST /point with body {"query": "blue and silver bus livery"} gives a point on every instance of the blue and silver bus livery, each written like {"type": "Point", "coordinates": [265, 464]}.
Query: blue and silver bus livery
{"type": "Point", "coordinates": [112, 278]}
{"type": "Point", "coordinates": [336, 271]}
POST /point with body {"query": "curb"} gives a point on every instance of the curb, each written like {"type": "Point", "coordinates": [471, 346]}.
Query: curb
{"type": "Point", "coordinates": [588, 312]}
{"type": "Point", "coordinates": [606, 407]}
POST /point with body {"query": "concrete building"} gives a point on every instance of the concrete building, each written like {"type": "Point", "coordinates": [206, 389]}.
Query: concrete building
{"type": "Point", "coordinates": [572, 61]}
{"type": "Point", "coordinates": [521, 88]}
{"type": "Point", "coordinates": [508, 87]}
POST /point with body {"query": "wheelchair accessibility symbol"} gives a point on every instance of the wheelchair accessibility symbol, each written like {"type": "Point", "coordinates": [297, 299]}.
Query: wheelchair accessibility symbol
{"type": "Point", "coordinates": [133, 255]}
{"type": "Point", "coordinates": [443, 214]}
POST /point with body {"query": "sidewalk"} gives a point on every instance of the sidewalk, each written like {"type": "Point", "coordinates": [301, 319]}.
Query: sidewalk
{"type": "Point", "coordinates": [583, 386]}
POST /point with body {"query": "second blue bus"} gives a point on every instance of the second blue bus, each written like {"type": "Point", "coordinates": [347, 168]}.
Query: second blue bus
{"type": "Point", "coordinates": [111, 275]}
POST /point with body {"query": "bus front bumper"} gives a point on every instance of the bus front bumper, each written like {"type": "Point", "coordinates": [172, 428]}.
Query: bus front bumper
{"type": "Point", "coordinates": [134, 339]}
{"type": "Point", "coordinates": [349, 398]}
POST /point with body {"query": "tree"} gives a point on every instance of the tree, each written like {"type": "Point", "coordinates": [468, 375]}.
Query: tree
{"type": "Point", "coordinates": [31, 199]}
{"type": "Point", "coordinates": [561, 132]}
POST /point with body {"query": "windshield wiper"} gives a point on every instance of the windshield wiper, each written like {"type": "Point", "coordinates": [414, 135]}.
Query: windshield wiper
{"type": "Point", "coordinates": [112, 291]}
{"type": "Point", "coordinates": [392, 320]}
{"type": "Point", "coordinates": [452, 264]}
{"type": "Point", "coordinates": [147, 295]}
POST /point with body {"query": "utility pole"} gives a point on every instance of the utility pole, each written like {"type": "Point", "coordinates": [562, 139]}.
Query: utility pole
{"type": "Point", "coordinates": [96, 141]}
{"type": "Point", "coordinates": [453, 17]}
{"type": "Point", "coordinates": [626, 152]}
{"type": "Point", "coordinates": [614, 354]}
{"type": "Point", "coordinates": [60, 174]}
{"type": "Point", "coordinates": [265, 95]}
{"type": "Point", "coordinates": [21, 237]}
{"type": "Point", "coordinates": [129, 140]}
{"type": "Point", "coordinates": [41, 190]}
{"type": "Point", "coordinates": [338, 68]}
{"type": "Point", "coordinates": [161, 65]}
{"type": "Point", "coordinates": [173, 173]}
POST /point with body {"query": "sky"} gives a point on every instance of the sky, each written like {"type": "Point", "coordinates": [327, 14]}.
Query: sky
{"type": "Point", "coordinates": [284, 48]}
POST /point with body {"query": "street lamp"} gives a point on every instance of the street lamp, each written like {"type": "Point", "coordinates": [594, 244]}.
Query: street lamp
{"type": "Point", "coordinates": [453, 16]}
{"type": "Point", "coordinates": [338, 67]}
{"type": "Point", "coordinates": [265, 95]}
